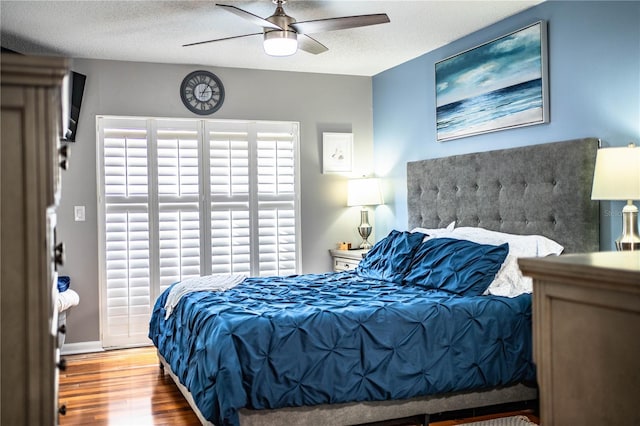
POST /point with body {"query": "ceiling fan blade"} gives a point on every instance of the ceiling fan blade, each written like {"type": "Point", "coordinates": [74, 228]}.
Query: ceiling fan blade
{"type": "Point", "coordinates": [219, 39]}
{"type": "Point", "coordinates": [310, 45]}
{"type": "Point", "coordinates": [332, 24]}
{"type": "Point", "coordinates": [250, 17]}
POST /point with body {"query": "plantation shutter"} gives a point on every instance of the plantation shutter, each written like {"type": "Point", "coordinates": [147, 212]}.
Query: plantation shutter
{"type": "Point", "coordinates": [229, 197]}
{"type": "Point", "coordinates": [276, 202]}
{"type": "Point", "coordinates": [127, 271]}
{"type": "Point", "coordinates": [184, 198]}
{"type": "Point", "coordinates": [178, 200]}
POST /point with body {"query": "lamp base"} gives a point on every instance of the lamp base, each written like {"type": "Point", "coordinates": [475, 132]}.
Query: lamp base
{"type": "Point", "coordinates": [627, 246]}
{"type": "Point", "coordinates": [365, 245]}
{"type": "Point", "coordinates": [364, 229]}
{"type": "Point", "coordinates": [630, 239]}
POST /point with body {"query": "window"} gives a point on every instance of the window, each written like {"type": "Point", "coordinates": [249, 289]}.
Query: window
{"type": "Point", "coordinates": [180, 198]}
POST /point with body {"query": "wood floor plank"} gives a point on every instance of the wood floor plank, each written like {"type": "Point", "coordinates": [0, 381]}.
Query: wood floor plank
{"type": "Point", "coordinates": [126, 387]}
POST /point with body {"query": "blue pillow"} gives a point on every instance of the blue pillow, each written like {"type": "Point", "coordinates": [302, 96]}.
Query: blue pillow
{"type": "Point", "coordinates": [390, 257]}
{"type": "Point", "coordinates": [63, 283]}
{"type": "Point", "coordinates": [457, 266]}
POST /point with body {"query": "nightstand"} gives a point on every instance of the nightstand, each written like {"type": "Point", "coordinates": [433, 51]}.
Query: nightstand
{"type": "Point", "coordinates": [345, 260]}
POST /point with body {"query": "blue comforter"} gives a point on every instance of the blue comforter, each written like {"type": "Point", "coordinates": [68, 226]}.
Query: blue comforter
{"type": "Point", "coordinates": [337, 337]}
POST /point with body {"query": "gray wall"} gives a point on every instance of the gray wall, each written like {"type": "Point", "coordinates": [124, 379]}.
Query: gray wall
{"type": "Point", "coordinates": [321, 103]}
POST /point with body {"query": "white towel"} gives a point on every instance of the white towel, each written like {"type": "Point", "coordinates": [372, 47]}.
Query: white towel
{"type": "Point", "coordinates": [67, 299]}
{"type": "Point", "coordinates": [206, 283]}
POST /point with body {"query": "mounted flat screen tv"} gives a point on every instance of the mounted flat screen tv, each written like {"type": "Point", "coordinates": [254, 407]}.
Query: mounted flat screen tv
{"type": "Point", "coordinates": [74, 88]}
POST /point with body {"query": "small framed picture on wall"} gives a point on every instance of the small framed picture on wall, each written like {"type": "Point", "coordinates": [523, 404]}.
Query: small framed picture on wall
{"type": "Point", "coordinates": [337, 152]}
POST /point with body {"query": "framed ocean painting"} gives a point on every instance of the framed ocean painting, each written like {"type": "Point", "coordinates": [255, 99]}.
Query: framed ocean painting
{"type": "Point", "coordinates": [499, 85]}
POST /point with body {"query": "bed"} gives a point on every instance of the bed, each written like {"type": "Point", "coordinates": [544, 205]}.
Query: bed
{"type": "Point", "coordinates": [382, 342]}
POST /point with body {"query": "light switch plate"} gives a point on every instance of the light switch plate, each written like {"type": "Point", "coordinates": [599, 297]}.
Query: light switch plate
{"type": "Point", "coordinates": [78, 213]}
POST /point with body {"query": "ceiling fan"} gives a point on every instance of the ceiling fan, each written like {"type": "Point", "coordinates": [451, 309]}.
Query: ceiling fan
{"type": "Point", "coordinates": [283, 35]}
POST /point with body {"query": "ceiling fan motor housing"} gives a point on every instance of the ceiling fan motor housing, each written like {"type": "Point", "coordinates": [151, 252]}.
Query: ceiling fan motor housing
{"type": "Point", "coordinates": [282, 20]}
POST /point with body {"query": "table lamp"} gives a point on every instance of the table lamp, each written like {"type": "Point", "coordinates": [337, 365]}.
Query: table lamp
{"type": "Point", "coordinates": [364, 192]}
{"type": "Point", "coordinates": [617, 177]}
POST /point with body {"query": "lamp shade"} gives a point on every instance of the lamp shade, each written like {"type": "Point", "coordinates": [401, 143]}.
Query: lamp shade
{"type": "Point", "coordinates": [617, 174]}
{"type": "Point", "coordinates": [364, 192]}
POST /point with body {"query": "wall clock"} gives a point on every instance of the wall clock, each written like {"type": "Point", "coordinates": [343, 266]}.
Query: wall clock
{"type": "Point", "coordinates": [202, 92]}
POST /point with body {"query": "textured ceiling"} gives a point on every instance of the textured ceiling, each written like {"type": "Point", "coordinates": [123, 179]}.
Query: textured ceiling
{"type": "Point", "coordinates": [154, 31]}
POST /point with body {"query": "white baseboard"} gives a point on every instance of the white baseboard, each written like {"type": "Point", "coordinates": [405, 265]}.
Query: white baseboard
{"type": "Point", "coordinates": [81, 348]}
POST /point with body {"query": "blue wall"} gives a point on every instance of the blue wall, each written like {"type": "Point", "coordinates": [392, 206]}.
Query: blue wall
{"type": "Point", "coordinates": [594, 86]}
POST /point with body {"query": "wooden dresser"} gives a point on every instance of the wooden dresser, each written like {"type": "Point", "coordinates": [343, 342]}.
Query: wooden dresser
{"type": "Point", "coordinates": [29, 192]}
{"type": "Point", "coordinates": [586, 327]}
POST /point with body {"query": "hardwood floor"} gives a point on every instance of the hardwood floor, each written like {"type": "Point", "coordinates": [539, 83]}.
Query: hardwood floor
{"type": "Point", "coordinates": [127, 388]}
{"type": "Point", "coordinates": [122, 387]}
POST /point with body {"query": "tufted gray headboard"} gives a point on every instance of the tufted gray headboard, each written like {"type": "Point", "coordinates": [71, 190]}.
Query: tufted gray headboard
{"type": "Point", "coordinates": [539, 189]}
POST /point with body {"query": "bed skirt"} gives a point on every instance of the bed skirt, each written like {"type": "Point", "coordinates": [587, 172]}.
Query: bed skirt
{"type": "Point", "coordinates": [367, 411]}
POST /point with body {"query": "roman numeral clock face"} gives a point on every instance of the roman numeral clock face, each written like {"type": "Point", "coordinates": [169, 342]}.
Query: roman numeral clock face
{"type": "Point", "coordinates": [202, 92]}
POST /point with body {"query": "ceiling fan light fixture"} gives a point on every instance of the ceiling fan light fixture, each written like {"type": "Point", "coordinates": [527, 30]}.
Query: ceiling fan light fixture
{"type": "Point", "coordinates": [280, 43]}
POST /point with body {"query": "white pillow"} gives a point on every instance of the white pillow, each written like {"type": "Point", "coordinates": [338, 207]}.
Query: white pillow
{"type": "Point", "coordinates": [509, 280]}
{"type": "Point", "coordinates": [519, 245]}
{"type": "Point", "coordinates": [436, 232]}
